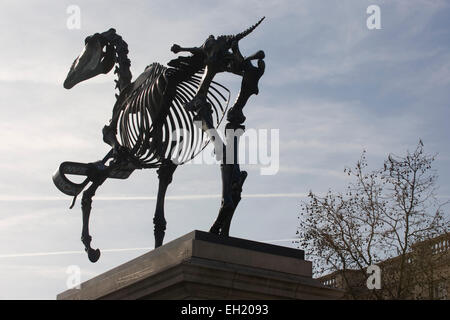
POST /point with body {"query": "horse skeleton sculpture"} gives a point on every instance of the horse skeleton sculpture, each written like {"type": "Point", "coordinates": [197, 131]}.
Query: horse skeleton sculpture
{"type": "Point", "coordinates": [151, 112]}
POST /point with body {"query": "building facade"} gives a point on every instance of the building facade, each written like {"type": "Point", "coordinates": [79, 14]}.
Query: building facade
{"type": "Point", "coordinates": [425, 275]}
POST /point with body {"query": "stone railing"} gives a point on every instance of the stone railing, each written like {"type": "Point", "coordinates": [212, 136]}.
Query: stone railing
{"type": "Point", "coordinates": [332, 282]}
{"type": "Point", "coordinates": [440, 245]}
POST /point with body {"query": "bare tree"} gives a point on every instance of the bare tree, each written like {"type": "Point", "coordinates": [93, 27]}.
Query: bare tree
{"type": "Point", "coordinates": [381, 219]}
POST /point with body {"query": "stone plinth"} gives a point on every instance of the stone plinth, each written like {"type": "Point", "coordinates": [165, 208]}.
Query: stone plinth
{"type": "Point", "coordinates": [201, 265]}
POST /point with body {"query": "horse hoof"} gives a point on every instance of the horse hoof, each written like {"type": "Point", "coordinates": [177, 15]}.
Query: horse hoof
{"type": "Point", "coordinates": [215, 229]}
{"type": "Point", "coordinates": [93, 255]}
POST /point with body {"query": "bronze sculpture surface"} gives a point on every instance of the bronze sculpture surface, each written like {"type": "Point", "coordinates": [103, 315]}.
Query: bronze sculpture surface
{"type": "Point", "coordinates": [165, 118]}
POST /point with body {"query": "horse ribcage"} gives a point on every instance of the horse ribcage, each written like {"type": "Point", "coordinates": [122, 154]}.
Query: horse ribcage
{"type": "Point", "coordinates": [156, 127]}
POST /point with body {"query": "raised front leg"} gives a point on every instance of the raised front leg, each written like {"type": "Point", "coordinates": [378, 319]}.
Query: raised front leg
{"type": "Point", "coordinates": [165, 173]}
{"type": "Point", "coordinates": [86, 206]}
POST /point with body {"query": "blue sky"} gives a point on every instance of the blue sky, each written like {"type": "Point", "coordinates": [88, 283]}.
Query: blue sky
{"type": "Point", "coordinates": [332, 87]}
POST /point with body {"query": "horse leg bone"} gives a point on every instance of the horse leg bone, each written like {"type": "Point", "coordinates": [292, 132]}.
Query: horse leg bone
{"type": "Point", "coordinates": [249, 86]}
{"type": "Point", "coordinates": [165, 173]}
{"type": "Point", "coordinates": [86, 206]}
{"type": "Point", "coordinates": [227, 205]}
{"type": "Point", "coordinates": [232, 185]}
{"type": "Point", "coordinates": [234, 178]}
{"type": "Point", "coordinates": [256, 56]}
{"type": "Point", "coordinates": [236, 190]}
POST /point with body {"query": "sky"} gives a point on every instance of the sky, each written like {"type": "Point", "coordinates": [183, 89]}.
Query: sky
{"type": "Point", "coordinates": [332, 88]}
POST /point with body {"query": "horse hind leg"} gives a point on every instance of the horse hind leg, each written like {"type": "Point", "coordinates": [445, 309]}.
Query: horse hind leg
{"type": "Point", "coordinates": [232, 182]}
{"type": "Point", "coordinates": [165, 174]}
{"type": "Point", "coordinates": [227, 205]}
{"type": "Point", "coordinates": [86, 206]}
{"type": "Point", "coordinates": [236, 190]}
